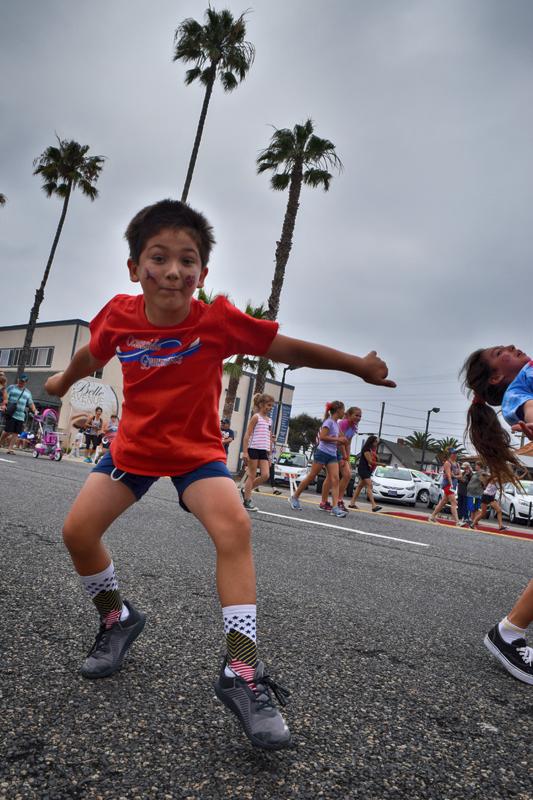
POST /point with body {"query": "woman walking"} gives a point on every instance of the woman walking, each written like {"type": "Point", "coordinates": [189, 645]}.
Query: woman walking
{"type": "Point", "coordinates": [368, 461]}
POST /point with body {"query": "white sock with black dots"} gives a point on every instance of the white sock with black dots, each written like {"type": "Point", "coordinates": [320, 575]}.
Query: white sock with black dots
{"type": "Point", "coordinates": [103, 590]}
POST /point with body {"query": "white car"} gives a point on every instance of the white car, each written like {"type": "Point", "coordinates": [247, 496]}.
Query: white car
{"type": "Point", "coordinates": [422, 485]}
{"type": "Point", "coordinates": [394, 483]}
{"type": "Point", "coordinates": [517, 504]}
{"type": "Point", "coordinates": [290, 463]}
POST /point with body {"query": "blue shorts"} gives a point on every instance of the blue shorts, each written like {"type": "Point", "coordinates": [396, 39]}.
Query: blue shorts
{"type": "Point", "coordinates": [324, 458]}
{"type": "Point", "coordinates": [139, 484]}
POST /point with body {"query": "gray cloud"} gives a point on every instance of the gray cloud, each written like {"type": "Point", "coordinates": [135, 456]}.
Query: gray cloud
{"type": "Point", "coordinates": [421, 248]}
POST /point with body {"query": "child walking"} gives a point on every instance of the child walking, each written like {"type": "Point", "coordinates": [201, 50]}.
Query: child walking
{"type": "Point", "coordinates": [503, 376]}
{"type": "Point", "coordinates": [171, 347]}
{"type": "Point", "coordinates": [257, 446]}
{"type": "Point", "coordinates": [348, 426]}
{"type": "Point", "coordinates": [330, 438]}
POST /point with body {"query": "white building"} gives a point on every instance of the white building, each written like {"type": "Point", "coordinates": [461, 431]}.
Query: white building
{"type": "Point", "coordinates": [54, 344]}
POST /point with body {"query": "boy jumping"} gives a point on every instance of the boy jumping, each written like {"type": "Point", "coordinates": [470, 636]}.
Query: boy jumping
{"type": "Point", "coordinates": [172, 347]}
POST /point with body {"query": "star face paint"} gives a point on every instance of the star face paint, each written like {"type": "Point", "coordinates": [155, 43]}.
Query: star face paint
{"type": "Point", "coordinates": [190, 280]}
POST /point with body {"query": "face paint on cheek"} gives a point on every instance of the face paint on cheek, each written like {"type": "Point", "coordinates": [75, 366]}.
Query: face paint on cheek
{"type": "Point", "coordinates": [150, 276]}
{"type": "Point", "coordinates": [190, 280]}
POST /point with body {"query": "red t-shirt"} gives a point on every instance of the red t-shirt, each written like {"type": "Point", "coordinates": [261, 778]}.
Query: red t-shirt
{"type": "Point", "coordinates": [173, 379]}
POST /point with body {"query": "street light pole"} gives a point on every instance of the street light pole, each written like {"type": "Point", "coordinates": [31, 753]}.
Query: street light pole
{"type": "Point", "coordinates": [280, 401]}
{"type": "Point", "coordinates": [435, 411]}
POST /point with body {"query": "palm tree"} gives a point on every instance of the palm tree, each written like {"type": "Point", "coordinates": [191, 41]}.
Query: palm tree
{"type": "Point", "coordinates": [421, 441]}
{"type": "Point", "coordinates": [296, 157]}
{"type": "Point", "coordinates": [443, 446]}
{"type": "Point", "coordinates": [242, 362]}
{"type": "Point", "coordinates": [216, 48]}
{"type": "Point", "coordinates": [63, 169]}
{"type": "Point", "coordinates": [3, 199]}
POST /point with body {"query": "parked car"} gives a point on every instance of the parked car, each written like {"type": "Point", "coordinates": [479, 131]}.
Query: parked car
{"type": "Point", "coordinates": [394, 483]}
{"type": "Point", "coordinates": [290, 463]}
{"type": "Point", "coordinates": [321, 477]}
{"type": "Point", "coordinates": [422, 485]}
{"type": "Point", "coordinates": [517, 504]}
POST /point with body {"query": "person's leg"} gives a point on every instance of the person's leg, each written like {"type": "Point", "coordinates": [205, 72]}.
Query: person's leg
{"type": "Point", "coordinates": [12, 437]}
{"type": "Point", "coordinates": [480, 513]}
{"type": "Point", "coordinates": [521, 614]}
{"type": "Point", "coordinates": [370, 495]}
{"type": "Point", "coordinates": [358, 489]}
{"type": "Point", "coordinates": [263, 473]}
{"type": "Point", "coordinates": [215, 503]}
{"type": "Point", "coordinates": [333, 474]}
{"type": "Point", "coordinates": [315, 469]}
{"type": "Point", "coordinates": [100, 501]}
{"type": "Point", "coordinates": [345, 475]}
{"type": "Point", "coordinates": [453, 506]}
{"type": "Point", "coordinates": [326, 486]}
{"type": "Point", "coordinates": [442, 502]}
{"type": "Point", "coordinates": [250, 478]}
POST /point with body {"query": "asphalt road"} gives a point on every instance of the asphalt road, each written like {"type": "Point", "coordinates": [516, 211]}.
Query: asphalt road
{"type": "Point", "coordinates": [379, 637]}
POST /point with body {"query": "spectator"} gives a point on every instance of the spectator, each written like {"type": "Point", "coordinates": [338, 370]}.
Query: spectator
{"type": "Point", "coordinates": [227, 434]}
{"type": "Point", "coordinates": [462, 491]}
{"type": "Point", "coordinates": [368, 461]}
{"type": "Point", "coordinates": [18, 400]}
{"type": "Point", "coordinates": [475, 489]}
{"type": "Point", "coordinates": [3, 391]}
{"type": "Point", "coordinates": [93, 433]}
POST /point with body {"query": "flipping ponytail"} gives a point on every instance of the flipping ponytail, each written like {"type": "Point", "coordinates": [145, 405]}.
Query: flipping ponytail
{"type": "Point", "coordinates": [489, 439]}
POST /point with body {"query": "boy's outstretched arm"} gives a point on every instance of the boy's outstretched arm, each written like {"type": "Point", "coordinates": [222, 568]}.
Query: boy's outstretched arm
{"type": "Point", "coordinates": [82, 364]}
{"type": "Point", "coordinates": [298, 353]}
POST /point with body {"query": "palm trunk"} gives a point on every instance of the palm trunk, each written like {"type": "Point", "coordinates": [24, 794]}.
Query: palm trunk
{"type": "Point", "coordinates": [283, 250]}
{"type": "Point", "coordinates": [233, 385]}
{"type": "Point", "coordinates": [39, 294]}
{"type": "Point", "coordinates": [199, 132]}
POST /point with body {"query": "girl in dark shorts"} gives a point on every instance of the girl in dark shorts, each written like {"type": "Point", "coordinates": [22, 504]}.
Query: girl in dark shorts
{"type": "Point", "coordinates": [365, 467]}
{"type": "Point", "coordinates": [257, 446]}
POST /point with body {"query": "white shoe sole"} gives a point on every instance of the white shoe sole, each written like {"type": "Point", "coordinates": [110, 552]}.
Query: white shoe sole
{"type": "Point", "coordinates": [515, 672]}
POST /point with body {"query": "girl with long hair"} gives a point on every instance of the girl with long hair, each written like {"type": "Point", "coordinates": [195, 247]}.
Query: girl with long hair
{"type": "Point", "coordinates": [257, 446]}
{"type": "Point", "coordinates": [503, 376]}
{"type": "Point", "coordinates": [330, 438]}
{"type": "Point", "coordinates": [368, 461]}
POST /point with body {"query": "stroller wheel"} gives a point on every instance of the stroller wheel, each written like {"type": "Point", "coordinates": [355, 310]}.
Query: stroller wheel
{"type": "Point", "coordinates": [58, 455]}
{"type": "Point", "coordinates": [35, 454]}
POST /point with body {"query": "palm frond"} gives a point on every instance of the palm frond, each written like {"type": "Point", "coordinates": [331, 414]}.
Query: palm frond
{"type": "Point", "coordinates": [229, 81]}
{"type": "Point", "coordinates": [317, 177]}
{"type": "Point", "coordinates": [280, 181]}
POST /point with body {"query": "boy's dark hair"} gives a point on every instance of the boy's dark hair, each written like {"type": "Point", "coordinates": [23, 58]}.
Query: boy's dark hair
{"type": "Point", "coordinates": [490, 440]}
{"type": "Point", "coordinates": [169, 214]}
{"type": "Point", "coordinates": [98, 408]}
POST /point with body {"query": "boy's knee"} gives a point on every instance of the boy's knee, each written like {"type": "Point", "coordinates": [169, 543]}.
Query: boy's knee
{"type": "Point", "coordinates": [77, 538]}
{"type": "Point", "coordinates": [235, 534]}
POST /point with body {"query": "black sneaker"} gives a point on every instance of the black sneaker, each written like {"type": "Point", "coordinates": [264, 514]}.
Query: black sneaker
{"type": "Point", "coordinates": [517, 657]}
{"type": "Point", "coordinates": [261, 721]}
{"type": "Point", "coordinates": [111, 645]}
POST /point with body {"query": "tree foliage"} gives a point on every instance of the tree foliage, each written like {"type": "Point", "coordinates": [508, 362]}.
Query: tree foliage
{"type": "Point", "coordinates": [303, 431]}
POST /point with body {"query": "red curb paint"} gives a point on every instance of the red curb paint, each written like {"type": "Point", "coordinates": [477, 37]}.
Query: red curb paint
{"type": "Point", "coordinates": [480, 528]}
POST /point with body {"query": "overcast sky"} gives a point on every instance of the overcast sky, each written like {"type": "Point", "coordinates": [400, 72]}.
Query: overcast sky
{"type": "Point", "coordinates": [421, 248]}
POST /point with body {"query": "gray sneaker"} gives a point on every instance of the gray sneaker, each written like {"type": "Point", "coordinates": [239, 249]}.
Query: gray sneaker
{"type": "Point", "coordinates": [260, 720]}
{"type": "Point", "coordinates": [295, 504]}
{"type": "Point", "coordinates": [111, 645]}
{"type": "Point", "coordinates": [249, 506]}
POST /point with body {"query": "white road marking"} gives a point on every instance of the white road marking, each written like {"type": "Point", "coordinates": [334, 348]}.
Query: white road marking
{"type": "Point", "coordinates": [342, 528]}
{"type": "Point", "coordinates": [7, 460]}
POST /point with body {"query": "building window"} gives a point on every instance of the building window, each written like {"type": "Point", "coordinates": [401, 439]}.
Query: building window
{"type": "Point", "coordinates": [38, 357]}
{"type": "Point", "coordinates": [237, 403]}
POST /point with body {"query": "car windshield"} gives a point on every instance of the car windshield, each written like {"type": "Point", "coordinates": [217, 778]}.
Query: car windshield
{"type": "Point", "coordinates": [292, 460]}
{"type": "Point", "coordinates": [526, 487]}
{"type": "Point", "coordinates": [393, 473]}
{"type": "Point", "coordinates": [420, 475]}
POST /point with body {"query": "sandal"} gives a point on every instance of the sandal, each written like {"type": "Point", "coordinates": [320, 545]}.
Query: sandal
{"type": "Point", "coordinates": [352, 505]}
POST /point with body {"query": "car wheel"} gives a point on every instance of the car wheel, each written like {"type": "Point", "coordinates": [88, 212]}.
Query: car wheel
{"type": "Point", "coordinates": [423, 496]}
{"type": "Point", "coordinates": [512, 514]}
{"type": "Point", "coordinates": [35, 454]}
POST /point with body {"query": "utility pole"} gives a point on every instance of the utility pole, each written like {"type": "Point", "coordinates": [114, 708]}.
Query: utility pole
{"type": "Point", "coordinates": [381, 419]}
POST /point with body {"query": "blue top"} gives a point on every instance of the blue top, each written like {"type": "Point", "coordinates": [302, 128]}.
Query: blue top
{"type": "Point", "coordinates": [517, 393]}
{"type": "Point", "coordinates": [22, 397]}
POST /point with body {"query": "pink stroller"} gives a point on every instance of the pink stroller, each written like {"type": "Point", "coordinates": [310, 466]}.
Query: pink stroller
{"type": "Point", "coordinates": [49, 438]}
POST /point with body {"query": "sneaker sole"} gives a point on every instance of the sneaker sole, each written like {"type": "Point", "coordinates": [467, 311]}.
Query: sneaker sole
{"type": "Point", "coordinates": [515, 672]}
{"type": "Point", "coordinates": [233, 707]}
{"type": "Point", "coordinates": [135, 632]}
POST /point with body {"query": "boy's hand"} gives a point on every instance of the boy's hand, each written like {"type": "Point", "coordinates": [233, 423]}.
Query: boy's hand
{"type": "Point", "coordinates": [55, 385]}
{"type": "Point", "coordinates": [375, 371]}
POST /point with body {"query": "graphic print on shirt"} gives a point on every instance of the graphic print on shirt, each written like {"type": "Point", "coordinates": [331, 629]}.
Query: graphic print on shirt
{"type": "Point", "coordinates": [149, 353]}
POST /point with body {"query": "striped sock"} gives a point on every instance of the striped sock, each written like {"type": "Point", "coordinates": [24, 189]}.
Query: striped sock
{"type": "Point", "coordinates": [103, 590]}
{"type": "Point", "coordinates": [239, 627]}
